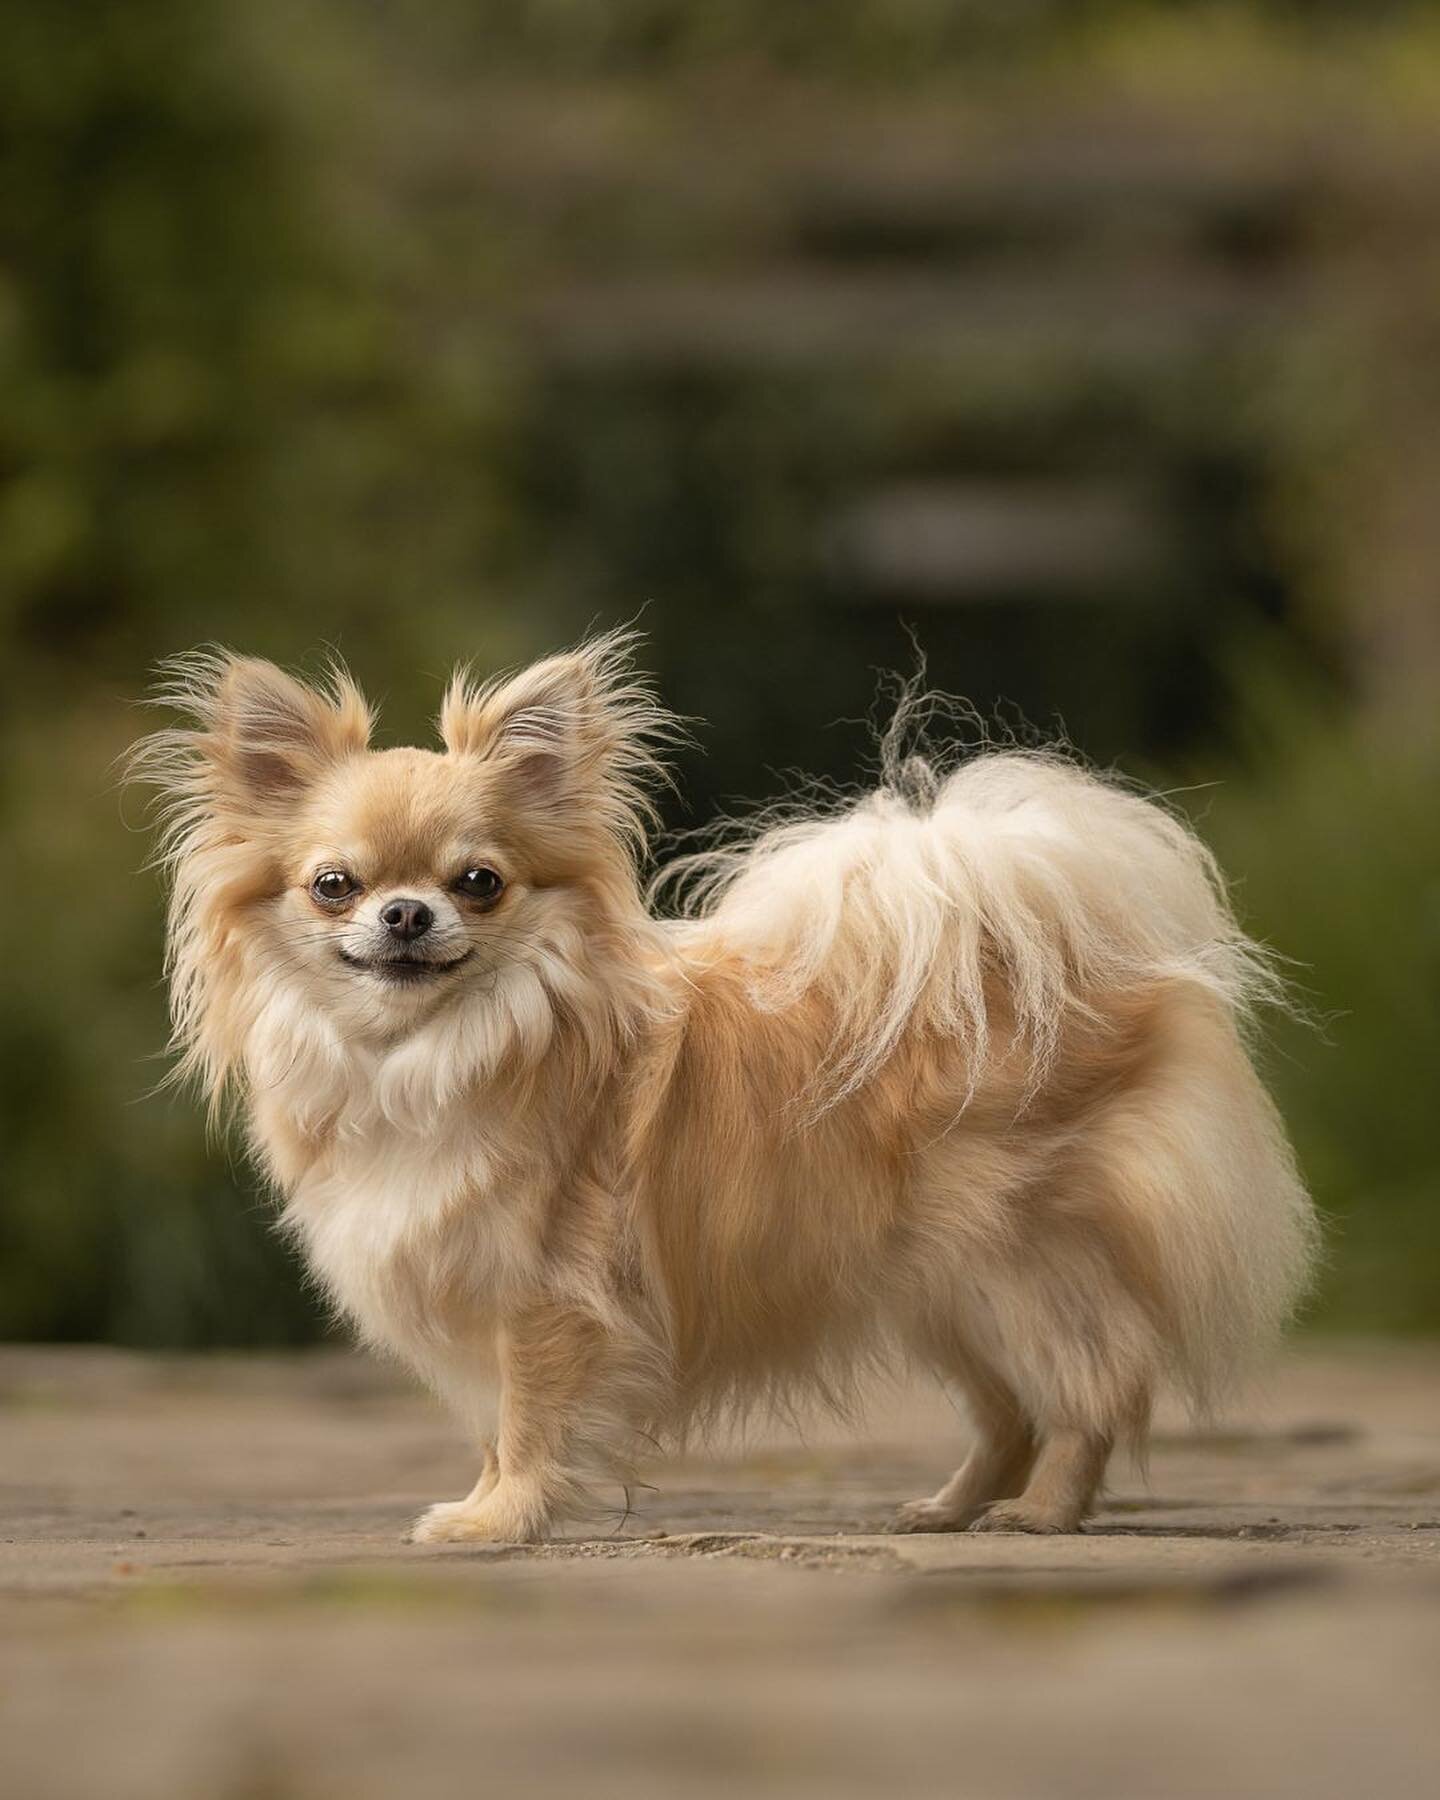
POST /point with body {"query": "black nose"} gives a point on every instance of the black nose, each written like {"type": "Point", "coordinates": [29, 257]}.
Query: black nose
{"type": "Point", "coordinates": [406, 919]}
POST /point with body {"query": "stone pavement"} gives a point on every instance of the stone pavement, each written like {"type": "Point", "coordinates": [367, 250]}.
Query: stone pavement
{"type": "Point", "coordinates": [205, 1595]}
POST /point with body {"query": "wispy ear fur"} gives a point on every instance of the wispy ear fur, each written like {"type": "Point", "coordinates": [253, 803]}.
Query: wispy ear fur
{"type": "Point", "coordinates": [256, 738]}
{"type": "Point", "coordinates": [580, 736]}
{"type": "Point", "coordinates": [954, 1069]}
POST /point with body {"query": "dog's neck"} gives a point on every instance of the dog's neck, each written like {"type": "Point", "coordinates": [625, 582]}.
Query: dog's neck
{"type": "Point", "coordinates": [559, 1022]}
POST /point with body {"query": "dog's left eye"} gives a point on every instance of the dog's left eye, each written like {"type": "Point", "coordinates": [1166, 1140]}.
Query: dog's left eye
{"type": "Point", "coordinates": [480, 884]}
{"type": "Point", "coordinates": [333, 885]}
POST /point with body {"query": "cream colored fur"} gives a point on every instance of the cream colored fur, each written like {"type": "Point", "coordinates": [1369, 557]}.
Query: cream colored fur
{"type": "Point", "coordinates": [955, 1070]}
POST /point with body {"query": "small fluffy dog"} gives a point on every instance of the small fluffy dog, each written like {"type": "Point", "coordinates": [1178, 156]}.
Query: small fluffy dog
{"type": "Point", "coordinates": [954, 1071]}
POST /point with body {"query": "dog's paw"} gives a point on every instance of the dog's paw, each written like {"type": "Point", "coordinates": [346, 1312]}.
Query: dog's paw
{"type": "Point", "coordinates": [449, 1522]}
{"type": "Point", "coordinates": [1016, 1515]}
{"type": "Point", "coordinates": [929, 1515]}
{"type": "Point", "coordinates": [477, 1522]}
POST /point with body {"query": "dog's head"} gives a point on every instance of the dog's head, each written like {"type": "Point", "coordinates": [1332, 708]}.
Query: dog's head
{"type": "Point", "coordinates": [380, 886]}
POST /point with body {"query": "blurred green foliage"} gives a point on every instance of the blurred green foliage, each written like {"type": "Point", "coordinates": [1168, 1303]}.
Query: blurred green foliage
{"type": "Point", "coordinates": [1094, 342]}
{"type": "Point", "coordinates": [1334, 842]}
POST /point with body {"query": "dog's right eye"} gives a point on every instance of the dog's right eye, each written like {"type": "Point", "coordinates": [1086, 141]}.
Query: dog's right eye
{"type": "Point", "coordinates": [331, 886]}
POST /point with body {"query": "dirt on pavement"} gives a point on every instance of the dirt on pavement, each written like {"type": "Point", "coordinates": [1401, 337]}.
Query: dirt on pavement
{"type": "Point", "coordinates": [207, 1595]}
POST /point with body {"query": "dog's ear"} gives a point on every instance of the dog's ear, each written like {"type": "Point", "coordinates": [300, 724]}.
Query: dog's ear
{"type": "Point", "coordinates": [546, 726]}
{"type": "Point", "coordinates": [577, 730]}
{"type": "Point", "coordinates": [259, 736]}
{"type": "Point", "coordinates": [273, 735]}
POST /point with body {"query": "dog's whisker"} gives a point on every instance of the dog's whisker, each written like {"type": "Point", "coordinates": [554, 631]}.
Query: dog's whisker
{"type": "Point", "coordinates": [954, 1071]}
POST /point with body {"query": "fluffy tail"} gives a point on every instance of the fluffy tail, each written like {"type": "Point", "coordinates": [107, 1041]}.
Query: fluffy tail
{"type": "Point", "coordinates": [900, 906]}
{"type": "Point", "coordinates": [906, 908]}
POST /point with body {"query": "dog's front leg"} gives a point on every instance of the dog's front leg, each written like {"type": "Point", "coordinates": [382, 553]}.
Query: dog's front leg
{"type": "Point", "coordinates": [552, 1363]}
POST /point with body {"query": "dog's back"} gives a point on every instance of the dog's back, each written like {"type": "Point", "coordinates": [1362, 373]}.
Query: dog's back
{"type": "Point", "coordinates": [965, 1063]}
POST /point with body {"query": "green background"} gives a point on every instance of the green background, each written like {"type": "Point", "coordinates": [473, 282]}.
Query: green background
{"type": "Point", "coordinates": [1096, 345]}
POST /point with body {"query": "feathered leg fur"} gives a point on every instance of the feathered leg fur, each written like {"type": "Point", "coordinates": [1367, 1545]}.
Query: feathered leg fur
{"type": "Point", "coordinates": [957, 1065]}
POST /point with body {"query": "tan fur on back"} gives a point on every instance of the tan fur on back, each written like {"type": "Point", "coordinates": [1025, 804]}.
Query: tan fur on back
{"type": "Point", "coordinates": [955, 1070]}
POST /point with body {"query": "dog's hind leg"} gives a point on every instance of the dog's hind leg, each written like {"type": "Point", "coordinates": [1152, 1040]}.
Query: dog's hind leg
{"type": "Point", "coordinates": [1061, 1491]}
{"type": "Point", "coordinates": [999, 1463]}
{"type": "Point", "coordinates": [1061, 1355]}
{"type": "Point", "coordinates": [1080, 1350]}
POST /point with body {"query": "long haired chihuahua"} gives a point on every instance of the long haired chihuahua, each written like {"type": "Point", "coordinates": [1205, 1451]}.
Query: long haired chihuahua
{"type": "Point", "coordinates": [954, 1071]}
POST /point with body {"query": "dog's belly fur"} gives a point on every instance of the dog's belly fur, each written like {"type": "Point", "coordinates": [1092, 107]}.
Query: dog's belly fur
{"type": "Point", "coordinates": [956, 1068]}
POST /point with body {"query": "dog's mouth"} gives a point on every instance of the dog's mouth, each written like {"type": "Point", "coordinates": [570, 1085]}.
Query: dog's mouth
{"type": "Point", "coordinates": [404, 971]}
